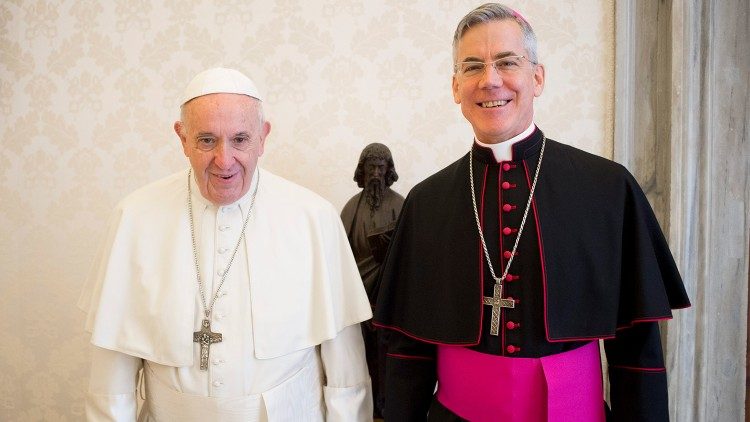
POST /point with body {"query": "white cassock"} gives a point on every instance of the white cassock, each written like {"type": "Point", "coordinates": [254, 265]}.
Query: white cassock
{"type": "Point", "coordinates": [288, 311]}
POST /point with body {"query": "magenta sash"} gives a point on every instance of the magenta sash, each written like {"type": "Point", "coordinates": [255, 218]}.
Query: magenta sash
{"type": "Point", "coordinates": [481, 387]}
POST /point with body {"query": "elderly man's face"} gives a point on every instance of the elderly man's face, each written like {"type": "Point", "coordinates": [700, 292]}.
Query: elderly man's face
{"type": "Point", "coordinates": [498, 106]}
{"type": "Point", "coordinates": [222, 136]}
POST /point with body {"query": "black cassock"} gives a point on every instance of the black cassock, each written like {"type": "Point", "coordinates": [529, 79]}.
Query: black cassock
{"type": "Point", "coordinates": [592, 263]}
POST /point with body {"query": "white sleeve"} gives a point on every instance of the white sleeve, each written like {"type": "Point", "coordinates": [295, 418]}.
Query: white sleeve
{"type": "Point", "coordinates": [348, 393]}
{"type": "Point", "coordinates": [112, 387]}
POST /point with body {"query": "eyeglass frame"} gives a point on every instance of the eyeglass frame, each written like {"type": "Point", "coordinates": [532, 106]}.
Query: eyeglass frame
{"type": "Point", "coordinates": [493, 63]}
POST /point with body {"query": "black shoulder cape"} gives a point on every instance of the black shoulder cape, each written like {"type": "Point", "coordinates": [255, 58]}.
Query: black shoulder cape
{"type": "Point", "coordinates": [605, 262]}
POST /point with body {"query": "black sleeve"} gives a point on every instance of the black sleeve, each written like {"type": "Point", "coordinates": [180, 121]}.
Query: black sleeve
{"type": "Point", "coordinates": [409, 379]}
{"type": "Point", "coordinates": [637, 377]}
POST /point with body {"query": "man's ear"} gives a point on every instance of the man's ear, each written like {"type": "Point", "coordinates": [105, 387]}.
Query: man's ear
{"type": "Point", "coordinates": [265, 130]}
{"type": "Point", "coordinates": [538, 80]}
{"type": "Point", "coordinates": [179, 129]}
{"type": "Point", "coordinates": [454, 87]}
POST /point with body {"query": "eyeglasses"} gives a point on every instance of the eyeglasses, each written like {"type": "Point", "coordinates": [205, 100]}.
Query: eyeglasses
{"type": "Point", "coordinates": [208, 143]}
{"type": "Point", "coordinates": [505, 66]}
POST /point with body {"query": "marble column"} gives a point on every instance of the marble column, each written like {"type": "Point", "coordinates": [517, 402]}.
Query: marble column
{"type": "Point", "coordinates": [683, 129]}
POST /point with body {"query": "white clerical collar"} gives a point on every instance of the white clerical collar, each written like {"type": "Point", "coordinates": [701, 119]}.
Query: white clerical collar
{"type": "Point", "coordinates": [503, 151]}
{"type": "Point", "coordinates": [243, 202]}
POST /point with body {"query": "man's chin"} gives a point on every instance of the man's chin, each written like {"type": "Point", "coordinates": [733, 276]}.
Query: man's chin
{"type": "Point", "coordinates": [221, 197]}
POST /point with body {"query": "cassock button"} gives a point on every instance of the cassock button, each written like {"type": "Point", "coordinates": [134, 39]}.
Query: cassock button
{"type": "Point", "coordinates": [221, 271]}
{"type": "Point", "coordinates": [512, 349]}
{"type": "Point", "coordinates": [217, 383]}
{"type": "Point", "coordinates": [223, 250]}
{"type": "Point", "coordinates": [223, 228]}
{"type": "Point", "coordinates": [512, 325]}
{"type": "Point", "coordinates": [507, 254]}
{"type": "Point", "coordinates": [508, 207]}
{"type": "Point", "coordinates": [505, 185]}
{"type": "Point", "coordinates": [507, 231]}
{"type": "Point", "coordinates": [506, 167]}
{"type": "Point", "coordinates": [511, 277]}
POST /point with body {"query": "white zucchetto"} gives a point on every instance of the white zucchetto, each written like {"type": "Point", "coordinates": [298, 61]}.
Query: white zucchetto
{"type": "Point", "coordinates": [220, 80]}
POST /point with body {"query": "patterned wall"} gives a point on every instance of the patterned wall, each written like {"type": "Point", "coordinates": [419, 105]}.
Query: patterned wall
{"type": "Point", "coordinates": [89, 91]}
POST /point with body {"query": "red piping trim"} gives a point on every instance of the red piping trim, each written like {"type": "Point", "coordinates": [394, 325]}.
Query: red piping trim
{"type": "Point", "coordinates": [640, 320]}
{"type": "Point", "coordinates": [634, 368]}
{"type": "Point", "coordinates": [589, 338]}
{"type": "Point", "coordinates": [542, 263]}
{"type": "Point", "coordinates": [608, 336]}
{"type": "Point", "coordinates": [500, 253]}
{"type": "Point", "coordinates": [409, 357]}
{"type": "Point", "coordinates": [423, 340]}
{"type": "Point", "coordinates": [481, 258]}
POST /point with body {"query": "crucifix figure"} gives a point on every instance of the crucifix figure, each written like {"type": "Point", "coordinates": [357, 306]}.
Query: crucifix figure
{"type": "Point", "coordinates": [205, 337]}
{"type": "Point", "coordinates": [497, 302]}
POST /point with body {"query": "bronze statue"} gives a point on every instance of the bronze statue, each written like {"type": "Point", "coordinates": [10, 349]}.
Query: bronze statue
{"type": "Point", "coordinates": [369, 218]}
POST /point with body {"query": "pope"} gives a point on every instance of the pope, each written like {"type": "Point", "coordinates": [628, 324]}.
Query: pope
{"type": "Point", "coordinates": [231, 290]}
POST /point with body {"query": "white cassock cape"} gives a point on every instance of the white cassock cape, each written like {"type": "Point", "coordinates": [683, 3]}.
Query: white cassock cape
{"type": "Point", "coordinates": [304, 290]}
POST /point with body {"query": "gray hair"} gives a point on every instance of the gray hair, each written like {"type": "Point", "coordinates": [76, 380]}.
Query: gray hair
{"type": "Point", "coordinates": [489, 12]}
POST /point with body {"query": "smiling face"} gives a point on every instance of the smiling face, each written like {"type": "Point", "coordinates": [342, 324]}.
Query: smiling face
{"type": "Point", "coordinates": [223, 135]}
{"type": "Point", "coordinates": [497, 106]}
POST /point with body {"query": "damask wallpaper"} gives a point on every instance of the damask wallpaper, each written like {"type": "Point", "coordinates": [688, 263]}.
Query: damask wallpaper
{"type": "Point", "coordinates": [89, 91]}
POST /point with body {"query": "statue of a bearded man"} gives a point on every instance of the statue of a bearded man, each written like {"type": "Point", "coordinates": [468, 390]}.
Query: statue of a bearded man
{"type": "Point", "coordinates": [369, 218]}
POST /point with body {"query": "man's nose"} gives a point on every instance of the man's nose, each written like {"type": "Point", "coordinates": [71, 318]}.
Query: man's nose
{"type": "Point", "coordinates": [224, 155]}
{"type": "Point", "coordinates": [490, 77]}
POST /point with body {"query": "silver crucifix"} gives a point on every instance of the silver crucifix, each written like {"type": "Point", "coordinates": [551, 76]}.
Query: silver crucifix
{"type": "Point", "coordinates": [497, 302]}
{"type": "Point", "coordinates": [205, 337]}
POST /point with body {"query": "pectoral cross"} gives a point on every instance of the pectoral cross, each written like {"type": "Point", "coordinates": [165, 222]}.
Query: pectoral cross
{"type": "Point", "coordinates": [497, 302]}
{"type": "Point", "coordinates": [205, 337]}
